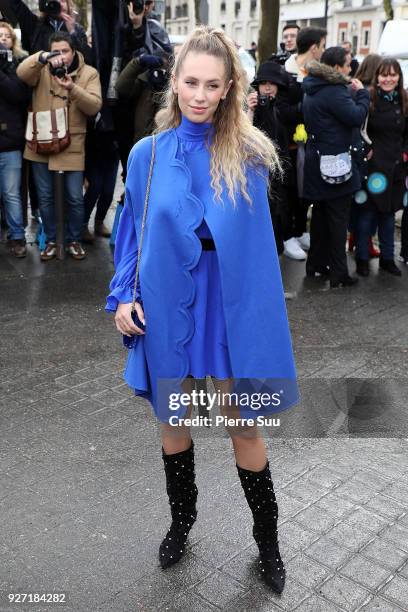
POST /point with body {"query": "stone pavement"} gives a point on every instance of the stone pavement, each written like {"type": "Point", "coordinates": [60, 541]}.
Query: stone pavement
{"type": "Point", "coordinates": [82, 495]}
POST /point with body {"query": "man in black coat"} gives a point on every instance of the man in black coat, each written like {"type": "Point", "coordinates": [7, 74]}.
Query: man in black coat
{"type": "Point", "coordinates": [14, 98]}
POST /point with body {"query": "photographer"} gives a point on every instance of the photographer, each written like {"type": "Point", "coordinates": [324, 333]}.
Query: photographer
{"type": "Point", "coordinates": [146, 52]}
{"type": "Point", "coordinates": [141, 83]}
{"type": "Point", "coordinates": [263, 113]}
{"type": "Point", "coordinates": [14, 97]}
{"type": "Point", "coordinates": [288, 44]}
{"type": "Point", "coordinates": [61, 78]}
{"type": "Point", "coordinates": [55, 16]}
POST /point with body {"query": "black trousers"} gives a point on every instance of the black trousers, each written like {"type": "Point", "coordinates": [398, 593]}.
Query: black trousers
{"type": "Point", "coordinates": [328, 234]}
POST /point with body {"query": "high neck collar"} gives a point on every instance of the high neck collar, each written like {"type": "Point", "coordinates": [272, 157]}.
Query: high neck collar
{"type": "Point", "coordinates": [188, 130]}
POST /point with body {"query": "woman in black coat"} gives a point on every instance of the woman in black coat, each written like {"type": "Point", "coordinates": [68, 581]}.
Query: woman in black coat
{"type": "Point", "coordinates": [383, 193]}
{"type": "Point", "coordinates": [330, 115]}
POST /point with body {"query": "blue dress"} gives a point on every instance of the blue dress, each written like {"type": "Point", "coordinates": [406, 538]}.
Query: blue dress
{"type": "Point", "coordinates": [208, 348]}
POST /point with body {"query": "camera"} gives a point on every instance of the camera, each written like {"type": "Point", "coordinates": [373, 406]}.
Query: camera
{"type": "Point", "coordinates": [59, 71]}
{"type": "Point", "coordinates": [138, 6]}
{"type": "Point", "coordinates": [52, 8]}
{"type": "Point", "coordinates": [263, 100]}
{"type": "Point", "coordinates": [6, 58]}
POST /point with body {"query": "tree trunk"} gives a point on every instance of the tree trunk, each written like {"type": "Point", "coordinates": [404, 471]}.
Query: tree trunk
{"type": "Point", "coordinates": [82, 6]}
{"type": "Point", "coordinates": [268, 34]}
{"type": "Point", "coordinates": [388, 10]}
{"type": "Point", "coordinates": [197, 12]}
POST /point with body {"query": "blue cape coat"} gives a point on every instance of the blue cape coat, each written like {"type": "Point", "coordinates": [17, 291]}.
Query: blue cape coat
{"type": "Point", "coordinates": [253, 300]}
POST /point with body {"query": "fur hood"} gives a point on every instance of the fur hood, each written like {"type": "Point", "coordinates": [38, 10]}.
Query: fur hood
{"type": "Point", "coordinates": [326, 73]}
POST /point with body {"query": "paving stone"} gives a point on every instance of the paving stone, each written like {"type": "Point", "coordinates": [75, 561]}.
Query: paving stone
{"type": "Point", "coordinates": [322, 476]}
{"type": "Point", "coordinates": [189, 601]}
{"type": "Point", "coordinates": [344, 593]}
{"type": "Point", "coordinates": [329, 553]}
{"type": "Point", "coordinates": [349, 536]}
{"type": "Point", "coordinates": [396, 534]}
{"type": "Point", "coordinates": [219, 589]}
{"type": "Point", "coordinates": [385, 553]}
{"type": "Point", "coordinates": [295, 535]}
{"type": "Point", "coordinates": [316, 519]}
{"type": "Point", "coordinates": [378, 604]}
{"type": "Point", "coordinates": [304, 490]}
{"type": "Point", "coordinates": [306, 571]}
{"type": "Point", "coordinates": [362, 518]}
{"type": "Point", "coordinates": [385, 506]}
{"type": "Point", "coordinates": [354, 492]}
{"type": "Point", "coordinates": [334, 505]}
{"type": "Point", "coordinates": [366, 572]}
{"type": "Point", "coordinates": [396, 591]}
{"type": "Point", "coordinates": [316, 604]}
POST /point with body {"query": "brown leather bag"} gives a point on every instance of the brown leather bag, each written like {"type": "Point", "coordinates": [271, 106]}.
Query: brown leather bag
{"type": "Point", "coordinates": [47, 131]}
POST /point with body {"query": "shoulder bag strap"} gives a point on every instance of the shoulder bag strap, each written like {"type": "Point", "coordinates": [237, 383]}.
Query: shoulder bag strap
{"type": "Point", "coordinates": [139, 252]}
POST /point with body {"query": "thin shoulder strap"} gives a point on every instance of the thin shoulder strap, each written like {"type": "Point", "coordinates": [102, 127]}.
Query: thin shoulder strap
{"type": "Point", "coordinates": [146, 202]}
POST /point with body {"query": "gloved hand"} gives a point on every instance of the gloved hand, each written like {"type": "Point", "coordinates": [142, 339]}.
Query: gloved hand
{"type": "Point", "coordinates": [150, 61]}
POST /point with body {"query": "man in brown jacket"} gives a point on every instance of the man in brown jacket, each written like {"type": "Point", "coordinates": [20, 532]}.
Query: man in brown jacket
{"type": "Point", "coordinates": [80, 90]}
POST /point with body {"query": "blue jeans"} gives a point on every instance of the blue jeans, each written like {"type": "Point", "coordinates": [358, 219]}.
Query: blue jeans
{"type": "Point", "coordinates": [10, 192]}
{"type": "Point", "coordinates": [74, 201]}
{"type": "Point", "coordinates": [386, 229]}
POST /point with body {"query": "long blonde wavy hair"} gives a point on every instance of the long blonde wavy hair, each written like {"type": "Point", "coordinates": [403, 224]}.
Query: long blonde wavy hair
{"type": "Point", "coordinates": [237, 144]}
{"type": "Point", "coordinates": [16, 46]}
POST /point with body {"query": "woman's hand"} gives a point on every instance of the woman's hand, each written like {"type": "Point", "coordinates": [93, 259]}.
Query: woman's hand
{"type": "Point", "coordinates": [124, 322]}
{"type": "Point", "coordinates": [369, 154]}
{"type": "Point", "coordinates": [252, 100]}
{"type": "Point", "coordinates": [69, 22]}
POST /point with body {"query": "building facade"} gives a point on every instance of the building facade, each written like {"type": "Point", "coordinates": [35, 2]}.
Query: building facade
{"type": "Point", "coordinates": [359, 21]}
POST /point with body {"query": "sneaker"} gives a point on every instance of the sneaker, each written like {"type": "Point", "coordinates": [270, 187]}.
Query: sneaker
{"type": "Point", "coordinates": [49, 252]}
{"type": "Point", "coordinates": [101, 229]}
{"type": "Point", "coordinates": [402, 259]}
{"type": "Point", "coordinates": [18, 247]}
{"type": "Point", "coordinates": [304, 241]}
{"type": "Point", "coordinates": [75, 250]}
{"type": "Point", "coordinates": [292, 249]}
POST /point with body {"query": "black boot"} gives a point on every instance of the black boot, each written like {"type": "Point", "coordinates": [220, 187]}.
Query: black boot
{"type": "Point", "coordinates": [182, 492]}
{"type": "Point", "coordinates": [362, 267]}
{"type": "Point", "coordinates": [344, 281]}
{"type": "Point", "coordinates": [319, 270]}
{"type": "Point", "coordinates": [259, 493]}
{"type": "Point", "coordinates": [389, 266]}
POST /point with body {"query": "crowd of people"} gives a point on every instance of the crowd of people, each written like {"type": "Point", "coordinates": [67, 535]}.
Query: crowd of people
{"type": "Point", "coordinates": [341, 130]}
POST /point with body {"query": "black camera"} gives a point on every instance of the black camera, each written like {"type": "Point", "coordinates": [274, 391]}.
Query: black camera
{"type": "Point", "coordinates": [263, 100]}
{"type": "Point", "coordinates": [6, 57]}
{"type": "Point", "coordinates": [52, 8]}
{"type": "Point", "coordinates": [59, 71]}
{"type": "Point", "coordinates": [138, 6]}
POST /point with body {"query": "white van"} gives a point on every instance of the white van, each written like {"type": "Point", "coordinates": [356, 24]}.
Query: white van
{"type": "Point", "coordinates": [394, 42]}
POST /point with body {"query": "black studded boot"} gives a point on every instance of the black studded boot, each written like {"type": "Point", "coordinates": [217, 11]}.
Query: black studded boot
{"type": "Point", "coordinates": [259, 493]}
{"type": "Point", "coordinates": [182, 492]}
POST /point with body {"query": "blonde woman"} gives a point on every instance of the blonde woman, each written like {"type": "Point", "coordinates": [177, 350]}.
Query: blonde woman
{"type": "Point", "coordinates": [57, 16]}
{"type": "Point", "coordinates": [210, 299]}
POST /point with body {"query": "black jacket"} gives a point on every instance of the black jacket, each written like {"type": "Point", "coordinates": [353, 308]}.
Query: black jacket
{"type": "Point", "coordinates": [330, 115]}
{"type": "Point", "coordinates": [36, 31]}
{"type": "Point", "coordinates": [14, 99]}
{"type": "Point", "coordinates": [387, 128]}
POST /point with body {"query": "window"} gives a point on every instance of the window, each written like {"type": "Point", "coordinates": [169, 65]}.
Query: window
{"type": "Point", "coordinates": [347, 3]}
{"type": "Point", "coordinates": [252, 8]}
{"type": "Point", "coordinates": [184, 10]}
{"type": "Point", "coordinates": [178, 11]}
{"type": "Point", "coordinates": [367, 2]}
{"type": "Point", "coordinates": [223, 7]}
{"type": "Point", "coordinates": [237, 8]}
{"type": "Point", "coordinates": [366, 38]}
{"type": "Point", "coordinates": [168, 12]}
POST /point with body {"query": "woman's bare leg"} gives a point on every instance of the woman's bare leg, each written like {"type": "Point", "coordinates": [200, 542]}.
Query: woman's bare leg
{"type": "Point", "coordinates": [177, 438]}
{"type": "Point", "coordinates": [248, 443]}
